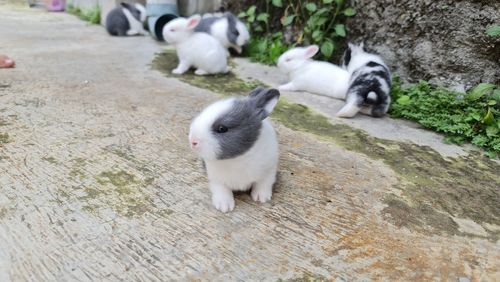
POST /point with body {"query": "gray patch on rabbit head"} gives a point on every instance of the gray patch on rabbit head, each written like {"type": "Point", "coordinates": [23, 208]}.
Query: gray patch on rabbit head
{"type": "Point", "coordinates": [133, 10]}
{"type": "Point", "coordinates": [205, 24]}
{"type": "Point", "coordinates": [243, 125]}
{"type": "Point", "coordinates": [232, 31]}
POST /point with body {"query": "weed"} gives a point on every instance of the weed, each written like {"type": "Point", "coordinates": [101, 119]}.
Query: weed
{"type": "Point", "coordinates": [92, 15]}
{"type": "Point", "coordinates": [472, 117]}
{"type": "Point", "coordinates": [311, 22]}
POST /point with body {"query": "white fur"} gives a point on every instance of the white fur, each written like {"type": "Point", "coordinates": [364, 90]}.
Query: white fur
{"type": "Point", "coordinates": [195, 49]}
{"type": "Point", "coordinates": [219, 31]}
{"type": "Point", "coordinates": [317, 77]}
{"type": "Point", "coordinates": [359, 59]}
{"type": "Point", "coordinates": [136, 26]}
{"type": "Point", "coordinates": [254, 169]}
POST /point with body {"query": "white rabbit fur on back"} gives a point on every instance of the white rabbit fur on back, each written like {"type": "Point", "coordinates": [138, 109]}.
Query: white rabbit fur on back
{"type": "Point", "coordinates": [195, 49]}
{"type": "Point", "coordinates": [312, 76]}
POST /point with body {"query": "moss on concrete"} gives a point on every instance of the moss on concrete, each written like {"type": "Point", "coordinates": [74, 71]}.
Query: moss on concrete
{"type": "Point", "coordinates": [51, 160]}
{"type": "Point", "coordinates": [4, 138]}
{"type": "Point", "coordinates": [433, 188]}
{"type": "Point", "coordinates": [224, 84]}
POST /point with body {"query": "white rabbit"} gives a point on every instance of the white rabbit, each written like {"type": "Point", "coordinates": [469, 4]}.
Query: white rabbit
{"type": "Point", "coordinates": [370, 83]}
{"type": "Point", "coordinates": [227, 28]}
{"type": "Point", "coordinates": [195, 49]}
{"type": "Point", "coordinates": [238, 145]}
{"type": "Point", "coordinates": [312, 76]}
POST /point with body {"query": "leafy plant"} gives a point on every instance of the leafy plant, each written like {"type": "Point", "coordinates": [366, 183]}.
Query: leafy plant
{"type": "Point", "coordinates": [493, 30]}
{"type": "Point", "coordinates": [92, 15]}
{"type": "Point", "coordinates": [473, 117]}
{"type": "Point", "coordinates": [311, 22]}
{"type": "Point", "coordinates": [266, 50]}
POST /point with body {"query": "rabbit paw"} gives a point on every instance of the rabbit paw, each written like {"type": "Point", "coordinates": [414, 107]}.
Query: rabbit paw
{"type": "Point", "coordinates": [287, 87]}
{"type": "Point", "coordinates": [177, 71]}
{"type": "Point", "coordinates": [223, 202]}
{"type": "Point", "coordinates": [200, 72]}
{"type": "Point", "coordinates": [261, 195]}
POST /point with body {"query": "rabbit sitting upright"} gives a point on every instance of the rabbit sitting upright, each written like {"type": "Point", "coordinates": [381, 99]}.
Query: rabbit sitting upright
{"type": "Point", "coordinates": [238, 145]}
{"type": "Point", "coordinates": [128, 19]}
{"type": "Point", "coordinates": [312, 76]}
{"type": "Point", "coordinates": [195, 49]}
{"type": "Point", "coordinates": [370, 84]}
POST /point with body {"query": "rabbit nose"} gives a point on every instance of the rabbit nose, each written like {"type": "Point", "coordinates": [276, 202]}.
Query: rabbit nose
{"type": "Point", "coordinates": [194, 143]}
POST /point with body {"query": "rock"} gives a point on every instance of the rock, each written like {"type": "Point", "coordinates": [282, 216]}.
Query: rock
{"type": "Point", "coordinates": [443, 41]}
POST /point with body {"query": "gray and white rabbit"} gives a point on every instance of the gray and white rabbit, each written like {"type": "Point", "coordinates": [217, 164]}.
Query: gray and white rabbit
{"type": "Point", "coordinates": [369, 85]}
{"type": "Point", "coordinates": [127, 19]}
{"type": "Point", "coordinates": [238, 145]}
{"type": "Point", "coordinates": [227, 28]}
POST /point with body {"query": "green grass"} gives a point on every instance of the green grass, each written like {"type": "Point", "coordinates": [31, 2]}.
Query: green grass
{"type": "Point", "coordinates": [471, 117]}
{"type": "Point", "coordinates": [92, 15]}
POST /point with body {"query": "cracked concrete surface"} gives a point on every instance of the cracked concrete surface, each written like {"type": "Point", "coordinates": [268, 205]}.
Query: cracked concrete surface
{"type": "Point", "coordinates": [98, 183]}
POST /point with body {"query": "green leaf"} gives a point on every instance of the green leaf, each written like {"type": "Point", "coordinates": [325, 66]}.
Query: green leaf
{"type": "Point", "coordinates": [242, 15]}
{"type": "Point", "coordinates": [349, 12]}
{"type": "Point", "coordinates": [480, 90]}
{"type": "Point", "coordinates": [317, 35]}
{"type": "Point", "coordinates": [488, 117]}
{"type": "Point", "coordinates": [496, 95]}
{"type": "Point", "coordinates": [251, 18]}
{"type": "Point", "coordinates": [492, 102]}
{"type": "Point", "coordinates": [403, 100]}
{"type": "Point", "coordinates": [287, 20]}
{"type": "Point", "coordinates": [327, 1]}
{"type": "Point", "coordinates": [277, 3]}
{"type": "Point", "coordinates": [492, 130]}
{"type": "Point", "coordinates": [251, 10]}
{"type": "Point", "coordinates": [339, 2]}
{"type": "Point", "coordinates": [311, 7]}
{"type": "Point", "coordinates": [263, 17]}
{"type": "Point", "coordinates": [493, 31]}
{"type": "Point", "coordinates": [327, 48]}
{"type": "Point", "coordinates": [258, 29]}
{"type": "Point", "coordinates": [476, 116]}
{"type": "Point", "coordinates": [340, 30]}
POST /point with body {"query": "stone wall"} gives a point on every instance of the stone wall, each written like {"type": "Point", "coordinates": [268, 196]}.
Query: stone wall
{"type": "Point", "coordinates": [442, 41]}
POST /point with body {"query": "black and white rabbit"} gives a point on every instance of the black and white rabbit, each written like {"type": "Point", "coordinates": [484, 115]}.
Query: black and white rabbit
{"type": "Point", "coordinates": [127, 19]}
{"type": "Point", "coordinates": [238, 145]}
{"type": "Point", "coordinates": [227, 28]}
{"type": "Point", "coordinates": [369, 85]}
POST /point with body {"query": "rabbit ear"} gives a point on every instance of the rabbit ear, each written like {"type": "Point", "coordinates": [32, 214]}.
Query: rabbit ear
{"type": "Point", "coordinates": [193, 21]}
{"type": "Point", "coordinates": [311, 51]}
{"type": "Point", "coordinates": [125, 5]}
{"type": "Point", "coordinates": [265, 100]}
{"type": "Point", "coordinates": [362, 45]}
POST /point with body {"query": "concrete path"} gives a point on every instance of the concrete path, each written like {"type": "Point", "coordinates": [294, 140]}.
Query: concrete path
{"type": "Point", "coordinates": [97, 181]}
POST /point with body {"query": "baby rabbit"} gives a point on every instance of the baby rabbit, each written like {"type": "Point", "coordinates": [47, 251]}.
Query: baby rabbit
{"type": "Point", "coordinates": [195, 49]}
{"type": "Point", "coordinates": [227, 28]}
{"type": "Point", "coordinates": [238, 145]}
{"type": "Point", "coordinates": [312, 76]}
{"type": "Point", "coordinates": [370, 83]}
{"type": "Point", "coordinates": [128, 19]}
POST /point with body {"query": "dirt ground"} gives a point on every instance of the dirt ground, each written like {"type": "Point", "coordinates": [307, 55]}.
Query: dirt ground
{"type": "Point", "coordinates": [97, 181]}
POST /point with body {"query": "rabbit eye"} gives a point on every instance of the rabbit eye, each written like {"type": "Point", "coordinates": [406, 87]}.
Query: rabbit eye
{"type": "Point", "coordinates": [221, 129]}
{"type": "Point", "coordinates": [288, 59]}
{"type": "Point", "coordinates": [172, 30]}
